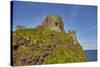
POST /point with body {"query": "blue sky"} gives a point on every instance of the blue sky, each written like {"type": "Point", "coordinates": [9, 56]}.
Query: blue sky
{"type": "Point", "coordinates": [81, 18]}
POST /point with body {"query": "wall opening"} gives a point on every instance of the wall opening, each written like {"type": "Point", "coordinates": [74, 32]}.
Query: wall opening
{"type": "Point", "coordinates": [56, 24]}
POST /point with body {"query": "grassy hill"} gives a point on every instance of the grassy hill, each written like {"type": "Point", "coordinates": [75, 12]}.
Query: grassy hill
{"type": "Point", "coordinates": [44, 46]}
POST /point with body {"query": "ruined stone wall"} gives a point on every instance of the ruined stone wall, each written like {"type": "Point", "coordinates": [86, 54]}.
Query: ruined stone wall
{"type": "Point", "coordinates": [73, 34]}
{"type": "Point", "coordinates": [20, 27]}
{"type": "Point", "coordinates": [54, 22]}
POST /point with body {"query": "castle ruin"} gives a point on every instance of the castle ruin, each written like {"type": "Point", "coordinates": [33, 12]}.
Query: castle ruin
{"type": "Point", "coordinates": [54, 22]}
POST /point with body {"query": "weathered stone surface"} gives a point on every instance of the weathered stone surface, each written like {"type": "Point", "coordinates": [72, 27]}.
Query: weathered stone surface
{"type": "Point", "coordinates": [54, 22]}
{"type": "Point", "coordinates": [20, 27]}
{"type": "Point", "coordinates": [73, 34]}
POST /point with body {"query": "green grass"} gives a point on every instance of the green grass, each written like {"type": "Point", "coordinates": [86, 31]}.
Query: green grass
{"type": "Point", "coordinates": [39, 39]}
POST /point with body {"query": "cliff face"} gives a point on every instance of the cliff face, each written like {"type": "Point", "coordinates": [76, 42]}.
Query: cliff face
{"type": "Point", "coordinates": [44, 46]}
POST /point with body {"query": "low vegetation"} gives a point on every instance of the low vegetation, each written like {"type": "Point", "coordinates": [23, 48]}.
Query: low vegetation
{"type": "Point", "coordinates": [43, 46]}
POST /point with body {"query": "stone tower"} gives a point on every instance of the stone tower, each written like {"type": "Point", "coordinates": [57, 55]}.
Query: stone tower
{"type": "Point", "coordinates": [73, 34]}
{"type": "Point", "coordinates": [54, 22]}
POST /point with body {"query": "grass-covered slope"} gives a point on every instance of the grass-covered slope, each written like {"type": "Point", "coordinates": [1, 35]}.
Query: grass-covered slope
{"type": "Point", "coordinates": [43, 46]}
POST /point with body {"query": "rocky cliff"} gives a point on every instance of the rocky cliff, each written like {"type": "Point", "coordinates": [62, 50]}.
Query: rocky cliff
{"type": "Point", "coordinates": [43, 45]}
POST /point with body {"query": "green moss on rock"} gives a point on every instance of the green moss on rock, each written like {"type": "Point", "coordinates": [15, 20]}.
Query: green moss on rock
{"type": "Point", "coordinates": [43, 46]}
